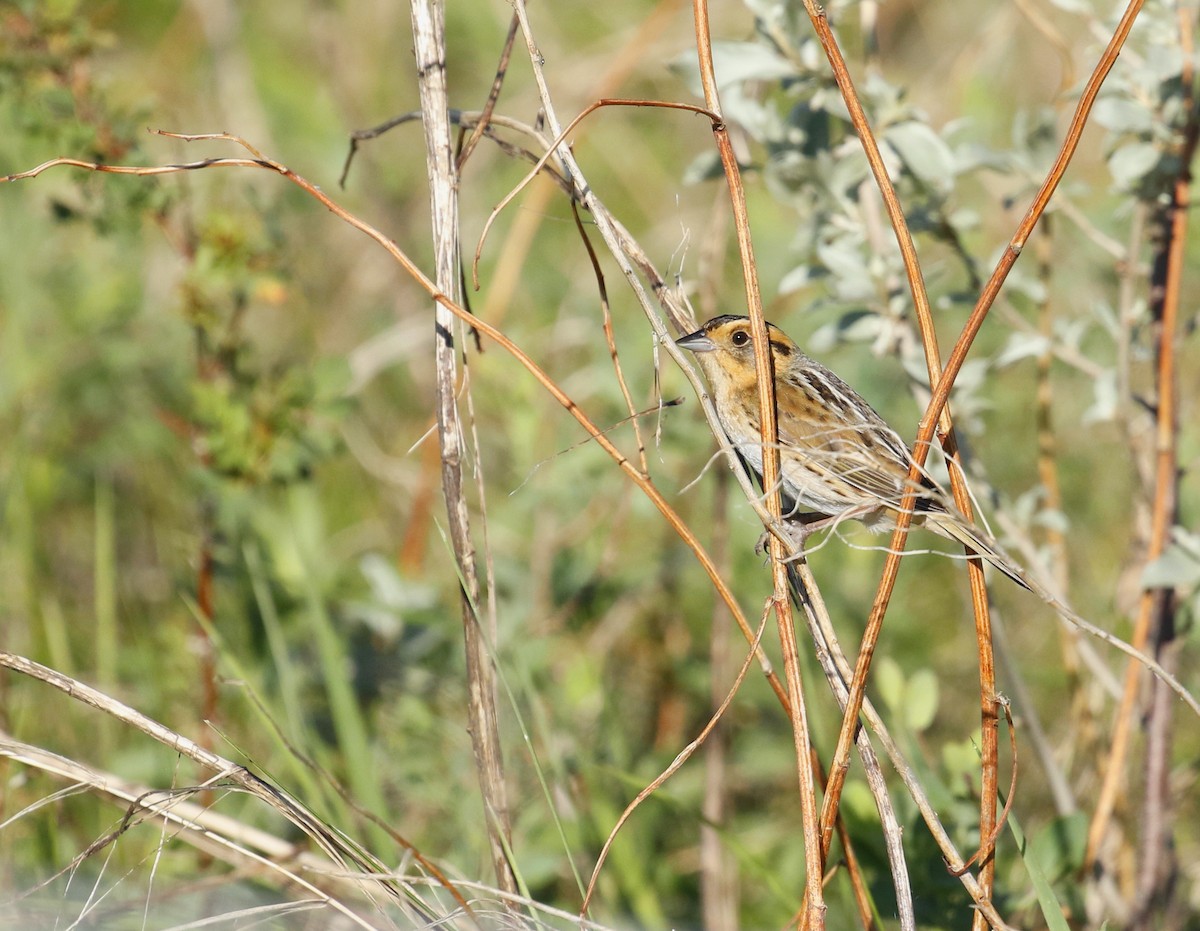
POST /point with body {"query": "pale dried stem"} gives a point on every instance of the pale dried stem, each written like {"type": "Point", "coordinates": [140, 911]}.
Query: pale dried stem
{"type": "Point", "coordinates": [255, 852]}
{"type": "Point", "coordinates": [347, 856]}
{"type": "Point", "coordinates": [430, 51]}
{"type": "Point", "coordinates": [682, 757]}
{"type": "Point", "coordinates": [839, 673]}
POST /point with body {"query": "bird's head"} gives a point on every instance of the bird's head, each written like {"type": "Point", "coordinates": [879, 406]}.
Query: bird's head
{"type": "Point", "coordinates": [724, 347]}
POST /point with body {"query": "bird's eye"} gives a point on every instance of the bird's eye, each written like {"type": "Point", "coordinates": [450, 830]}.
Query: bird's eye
{"type": "Point", "coordinates": [740, 338]}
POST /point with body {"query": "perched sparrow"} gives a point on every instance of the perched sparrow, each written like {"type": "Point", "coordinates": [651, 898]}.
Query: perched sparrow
{"type": "Point", "coordinates": [838, 459]}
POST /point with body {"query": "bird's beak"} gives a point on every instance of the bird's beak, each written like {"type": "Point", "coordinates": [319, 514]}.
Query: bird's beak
{"type": "Point", "coordinates": [696, 342]}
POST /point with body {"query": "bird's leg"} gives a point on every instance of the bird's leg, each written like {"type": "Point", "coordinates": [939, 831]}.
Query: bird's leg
{"type": "Point", "coordinates": [799, 527]}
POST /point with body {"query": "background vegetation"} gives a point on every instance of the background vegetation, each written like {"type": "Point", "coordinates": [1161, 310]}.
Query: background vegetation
{"type": "Point", "coordinates": [220, 489]}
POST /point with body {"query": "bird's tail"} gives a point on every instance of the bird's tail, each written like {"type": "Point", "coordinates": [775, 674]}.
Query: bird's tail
{"type": "Point", "coordinates": [972, 537]}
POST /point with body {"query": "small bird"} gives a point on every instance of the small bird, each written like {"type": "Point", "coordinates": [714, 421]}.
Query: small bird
{"type": "Point", "coordinates": [838, 459]}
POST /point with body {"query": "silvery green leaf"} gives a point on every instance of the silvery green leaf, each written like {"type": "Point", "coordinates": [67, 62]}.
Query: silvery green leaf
{"type": "Point", "coordinates": [1053, 519]}
{"type": "Point", "coordinates": [855, 326]}
{"type": "Point", "coordinates": [797, 278]}
{"type": "Point", "coordinates": [1024, 507]}
{"type": "Point", "coordinates": [1022, 346]}
{"type": "Point", "coordinates": [846, 264]}
{"type": "Point", "coordinates": [1070, 332]}
{"type": "Point", "coordinates": [1122, 115]}
{"type": "Point", "coordinates": [971, 376]}
{"type": "Point", "coordinates": [1026, 284]}
{"type": "Point", "coordinates": [859, 325]}
{"type": "Point", "coordinates": [1104, 312]}
{"type": "Point", "coordinates": [1105, 403]}
{"type": "Point", "coordinates": [736, 62]}
{"type": "Point", "coordinates": [1187, 540]}
{"type": "Point", "coordinates": [1130, 163]}
{"type": "Point", "coordinates": [392, 589]}
{"type": "Point", "coordinates": [924, 152]}
{"type": "Point", "coordinates": [921, 700]}
{"type": "Point", "coordinates": [964, 219]}
{"type": "Point", "coordinates": [704, 167]}
{"type": "Point", "coordinates": [1175, 568]}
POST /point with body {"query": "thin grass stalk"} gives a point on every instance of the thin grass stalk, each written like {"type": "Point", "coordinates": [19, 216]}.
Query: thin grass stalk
{"type": "Point", "coordinates": [343, 851]}
{"type": "Point", "coordinates": [610, 339]}
{"type": "Point", "coordinates": [489, 107]}
{"type": "Point", "coordinates": [104, 583]}
{"type": "Point", "coordinates": [428, 20]}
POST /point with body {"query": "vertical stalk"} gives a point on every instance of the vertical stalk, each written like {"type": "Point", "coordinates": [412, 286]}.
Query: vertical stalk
{"type": "Point", "coordinates": [430, 50]}
{"type": "Point", "coordinates": [814, 860]}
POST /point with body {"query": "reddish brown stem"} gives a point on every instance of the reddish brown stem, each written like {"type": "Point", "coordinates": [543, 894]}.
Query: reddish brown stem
{"type": "Point", "coordinates": [814, 860]}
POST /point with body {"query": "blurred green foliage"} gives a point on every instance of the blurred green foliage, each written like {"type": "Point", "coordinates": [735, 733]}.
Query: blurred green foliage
{"type": "Point", "coordinates": [206, 377]}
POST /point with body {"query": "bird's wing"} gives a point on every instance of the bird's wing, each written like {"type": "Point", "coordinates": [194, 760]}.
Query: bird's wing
{"type": "Point", "coordinates": [864, 460]}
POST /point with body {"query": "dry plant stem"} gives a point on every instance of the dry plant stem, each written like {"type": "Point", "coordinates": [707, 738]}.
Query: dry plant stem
{"type": "Point", "coordinates": [814, 860]}
{"type": "Point", "coordinates": [346, 856]}
{"type": "Point", "coordinates": [807, 596]}
{"type": "Point", "coordinates": [207, 607]}
{"type": "Point", "coordinates": [941, 390]}
{"type": "Point", "coordinates": [430, 52]}
{"type": "Point", "coordinates": [1056, 540]}
{"type": "Point", "coordinates": [1156, 606]}
{"type": "Point", "coordinates": [962, 498]}
{"type": "Point", "coordinates": [489, 106]}
{"type": "Point", "coordinates": [987, 844]}
{"type": "Point", "coordinates": [718, 872]}
{"type": "Point", "coordinates": [858, 882]}
{"type": "Point", "coordinates": [838, 673]}
{"type": "Point", "coordinates": [682, 757]}
{"type": "Point", "coordinates": [1043, 749]}
{"type": "Point", "coordinates": [610, 336]}
{"type": "Point", "coordinates": [222, 837]}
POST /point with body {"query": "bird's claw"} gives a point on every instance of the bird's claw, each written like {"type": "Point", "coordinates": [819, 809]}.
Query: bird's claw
{"type": "Point", "coordinates": [797, 531]}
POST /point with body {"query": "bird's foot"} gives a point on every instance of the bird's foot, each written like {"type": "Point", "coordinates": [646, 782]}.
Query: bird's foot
{"type": "Point", "coordinates": [797, 529]}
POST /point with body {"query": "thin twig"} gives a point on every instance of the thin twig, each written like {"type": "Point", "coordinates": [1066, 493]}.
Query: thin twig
{"type": "Point", "coordinates": [610, 336]}
{"type": "Point", "coordinates": [682, 757]}
{"type": "Point", "coordinates": [493, 96]}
